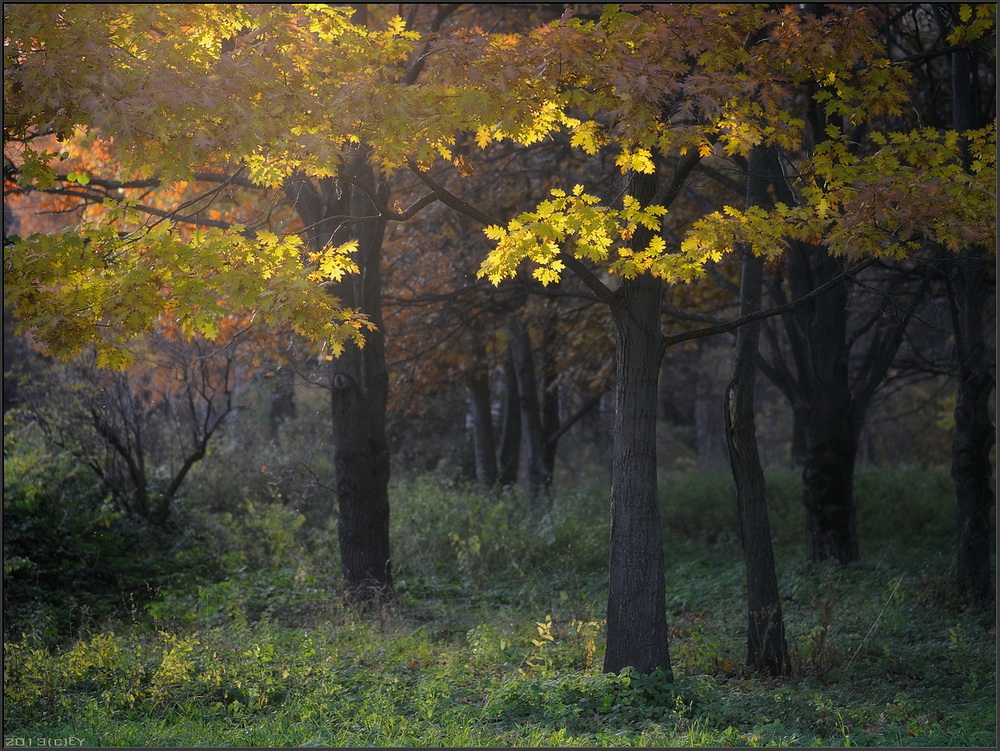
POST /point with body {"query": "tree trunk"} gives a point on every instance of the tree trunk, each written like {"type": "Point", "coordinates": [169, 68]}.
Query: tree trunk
{"type": "Point", "coordinates": [359, 387]}
{"type": "Point", "coordinates": [637, 621]}
{"type": "Point", "coordinates": [282, 407]}
{"type": "Point", "coordinates": [537, 482]}
{"type": "Point", "coordinates": [797, 455]}
{"type": "Point", "coordinates": [361, 463]}
{"type": "Point", "coordinates": [708, 429]}
{"type": "Point", "coordinates": [552, 428]}
{"type": "Point", "coordinates": [510, 443]}
{"type": "Point", "coordinates": [480, 402]}
{"type": "Point", "coordinates": [828, 464]}
{"type": "Point", "coordinates": [767, 650]}
{"type": "Point", "coordinates": [975, 433]}
{"type": "Point", "coordinates": [818, 334]}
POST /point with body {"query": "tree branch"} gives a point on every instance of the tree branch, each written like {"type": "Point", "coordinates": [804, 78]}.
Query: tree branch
{"type": "Point", "coordinates": [443, 12]}
{"type": "Point", "coordinates": [604, 293]}
{"type": "Point", "coordinates": [722, 328]}
{"type": "Point", "coordinates": [452, 201]}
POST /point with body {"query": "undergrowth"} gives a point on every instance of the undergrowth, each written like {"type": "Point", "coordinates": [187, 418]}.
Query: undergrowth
{"type": "Point", "coordinates": [239, 637]}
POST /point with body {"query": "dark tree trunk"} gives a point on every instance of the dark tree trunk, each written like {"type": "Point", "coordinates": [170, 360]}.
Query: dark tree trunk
{"type": "Point", "coordinates": [361, 463]}
{"type": "Point", "coordinates": [282, 407]}
{"type": "Point", "coordinates": [359, 388]}
{"type": "Point", "coordinates": [797, 456]}
{"type": "Point", "coordinates": [637, 621]}
{"type": "Point", "coordinates": [537, 481]}
{"type": "Point", "coordinates": [709, 430]}
{"type": "Point", "coordinates": [818, 336]}
{"type": "Point", "coordinates": [975, 433]}
{"type": "Point", "coordinates": [831, 444]}
{"type": "Point", "coordinates": [480, 401]}
{"type": "Point", "coordinates": [552, 428]}
{"type": "Point", "coordinates": [767, 649]}
{"type": "Point", "coordinates": [510, 443]}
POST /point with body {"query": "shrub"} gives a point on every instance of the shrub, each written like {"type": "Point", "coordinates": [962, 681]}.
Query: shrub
{"type": "Point", "coordinates": [442, 529]}
{"type": "Point", "coordinates": [70, 559]}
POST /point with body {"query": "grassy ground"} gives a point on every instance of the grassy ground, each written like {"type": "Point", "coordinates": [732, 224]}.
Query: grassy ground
{"type": "Point", "coordinates": [497, 636]}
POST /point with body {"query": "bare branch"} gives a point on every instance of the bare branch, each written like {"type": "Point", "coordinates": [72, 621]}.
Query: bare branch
{"type": "Point", "coordinates": [722, 328]}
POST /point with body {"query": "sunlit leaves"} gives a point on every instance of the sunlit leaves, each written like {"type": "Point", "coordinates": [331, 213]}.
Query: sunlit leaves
{"type": "Point", "coordinates": [333, 263]}
{"type": "Point", "coordinates": [721, 232]}
{"type": "Point", "coordinates": [92, 286]}
{"type": "Point", "coordinates": [639, 160]}
{"type": "Point", "coordinates": [576, 223]}
{"type": "Point", "coordinates": [975, 20]}
{"type": "Point", "coordinates": [915, 187]}
{"type": "Point", "coordinates": [279, 91]}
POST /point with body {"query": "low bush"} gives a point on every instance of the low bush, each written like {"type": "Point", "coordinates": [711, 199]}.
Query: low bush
{"type": "Point", "coordinates": [70, 558]}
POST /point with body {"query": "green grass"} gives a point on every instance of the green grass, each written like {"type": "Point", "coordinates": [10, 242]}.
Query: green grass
{"type": "Point", "coordinates": [497, 636]}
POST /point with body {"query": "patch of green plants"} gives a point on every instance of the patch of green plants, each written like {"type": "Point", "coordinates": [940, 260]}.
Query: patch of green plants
{"type": "Point", "coordinates": [497, 635]}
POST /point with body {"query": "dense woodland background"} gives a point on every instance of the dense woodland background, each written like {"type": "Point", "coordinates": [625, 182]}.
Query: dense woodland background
{"type": "Point", "coordinates": [410, 542]}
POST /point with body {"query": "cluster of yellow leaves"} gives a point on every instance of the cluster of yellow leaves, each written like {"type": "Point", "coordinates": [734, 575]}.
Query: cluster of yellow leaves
{"type": "Point", "coordinates": [975, 20]}
{"type": "Point", "coordinates": [94, 286]}
{"type": "Point", "coordinates": [924, 185]}
{"type": "Point", "coordinates": [579, 224]}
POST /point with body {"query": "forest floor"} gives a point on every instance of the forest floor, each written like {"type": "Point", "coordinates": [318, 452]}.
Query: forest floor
{"type": "Point", "coordinates": [496, 639]}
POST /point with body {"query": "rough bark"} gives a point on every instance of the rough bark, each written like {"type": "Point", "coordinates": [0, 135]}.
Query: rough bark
{"type": "Point", "coordinates": [767, 649]}
{"type": "Point", "coordinates": [636, 618]}
{"type": "Point", "coordinates": [358, 386]}
{"type": "Point", "coordinates": [831, 437]}
{"type": "Point", "coordinates": [975, 432]}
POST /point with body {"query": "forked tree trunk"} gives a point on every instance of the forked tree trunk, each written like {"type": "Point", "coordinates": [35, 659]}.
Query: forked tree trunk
{"type": "Point", "coordinates": [831, 446]}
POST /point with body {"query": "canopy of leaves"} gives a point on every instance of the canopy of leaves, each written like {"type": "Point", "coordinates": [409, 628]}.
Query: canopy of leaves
{"type": "Point", "coordinates": [276, 92]}
{"type": "Point", "coordinates": [913, 188]}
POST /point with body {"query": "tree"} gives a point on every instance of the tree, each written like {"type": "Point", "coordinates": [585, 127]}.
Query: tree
{"type": "Point", "coordinates": [767, 649]}
{"type": "Point", "coordinates": [305, 92]}
{"type": "Point", "coordinates": [153, 269]}
{"type": "Point", "coordinates": [142, 431]}
{"type": "Point", "coordinates": [830, 372]}
{"type": "Point", "coordinates": [845, 208]}
{"type": "Point", "coordinates": [967, 282]}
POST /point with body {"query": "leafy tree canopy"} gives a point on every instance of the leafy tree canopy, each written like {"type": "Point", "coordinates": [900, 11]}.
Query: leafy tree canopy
{"type": "Point", "coordinates": [276, 93]}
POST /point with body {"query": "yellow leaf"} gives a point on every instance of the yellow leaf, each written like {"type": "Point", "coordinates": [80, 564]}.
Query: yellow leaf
{"type": "Point", "coordinates": [483, 137]}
